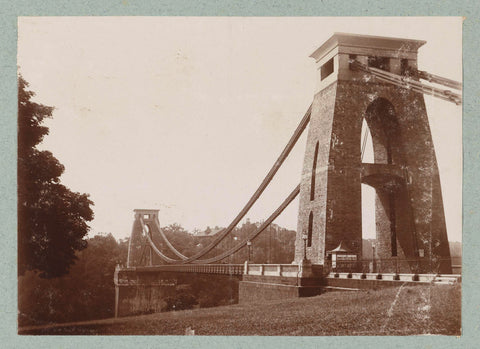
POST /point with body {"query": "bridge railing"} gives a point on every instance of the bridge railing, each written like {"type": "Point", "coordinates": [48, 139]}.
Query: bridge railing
{"type": "Point", "coordinates": [225, 269]}
{"type": "Point", "coordinates": [389, 265]}
{"type": "Point", "coordinates": [286, 270]}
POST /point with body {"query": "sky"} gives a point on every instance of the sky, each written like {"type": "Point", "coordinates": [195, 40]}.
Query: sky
{"type": "Point", "coordinates": [187, 114]}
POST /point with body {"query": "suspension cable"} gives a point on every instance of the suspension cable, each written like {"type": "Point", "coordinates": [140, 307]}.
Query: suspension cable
{"type": "Point", "coordinates": [437, 79]}
{"type": "Point", "coordinates": [409, 83]}
{"type": "Point", "coordinates": [234, 249]}
{"type": "Point", "coordinates": [155, 249]}
{"type": "Point", "coordinates": [257, 232]}
{"type": "Point", "coordinates": [401, 81]}
{"type": "Point", "coordinates": [169, 244]}
{"type": "Point", "coordinates": [223, 233]}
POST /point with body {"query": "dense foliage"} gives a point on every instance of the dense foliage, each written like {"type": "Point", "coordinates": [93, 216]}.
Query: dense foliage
{"type": "Point", "coordinates": [87, 292]}
{"type": "Point", "coordinates": [52, 220]}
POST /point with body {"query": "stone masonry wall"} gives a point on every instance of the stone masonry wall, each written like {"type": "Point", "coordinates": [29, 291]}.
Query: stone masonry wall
{"type": "Point", "coordinates": [336, 123]}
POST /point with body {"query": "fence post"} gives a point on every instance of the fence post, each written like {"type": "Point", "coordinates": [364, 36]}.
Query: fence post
{"type": "Point", "coordinates": [245, 268]}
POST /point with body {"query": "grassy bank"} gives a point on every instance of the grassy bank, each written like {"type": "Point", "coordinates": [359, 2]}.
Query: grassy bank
{"type": "Point", "coordinates": [392, 311]}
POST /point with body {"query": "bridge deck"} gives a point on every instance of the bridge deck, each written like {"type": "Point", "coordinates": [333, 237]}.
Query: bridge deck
{"type": "Point", "coordinates": [288, 270]}
{"type": "Point", "coordinates": [227, 269]}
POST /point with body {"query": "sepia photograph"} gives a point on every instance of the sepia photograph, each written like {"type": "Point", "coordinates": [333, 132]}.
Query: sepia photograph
{"type": "Point", "coordinates": [240, 176]}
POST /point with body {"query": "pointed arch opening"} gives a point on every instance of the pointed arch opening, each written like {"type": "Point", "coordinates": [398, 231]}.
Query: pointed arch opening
{"type": "Point", "coordinates": [367, 144]}
{"type": "Point", "coordinates": [310, 228]}
{"type": "Point", "coordinates": [381, 145]}
{"type": "Point", "coordinates": [385, 133]}
{"type": "Point", "coordinates": [314, 170]}
{"type": "Point", "coordinates": [368, 195]}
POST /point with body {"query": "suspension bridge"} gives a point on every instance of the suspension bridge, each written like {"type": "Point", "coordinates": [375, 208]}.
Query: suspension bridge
{"type": "Point", "coordinates": [359, 78]}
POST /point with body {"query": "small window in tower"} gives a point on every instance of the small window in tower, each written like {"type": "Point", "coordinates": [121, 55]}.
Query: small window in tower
{"type": "Point", "coordinates": [379, 62]}
{"type": "Point", "coordinates": [146, 216]}
{"type": "Point", "coordinates": [326, 69]}
{"type": "Point", "coordinates": [310, 227]}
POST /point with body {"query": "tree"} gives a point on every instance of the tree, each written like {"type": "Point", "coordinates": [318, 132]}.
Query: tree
{"type": "Point", "coordinates": [52, 220]}
{"type": "Point", "coordinates": [85, 293]}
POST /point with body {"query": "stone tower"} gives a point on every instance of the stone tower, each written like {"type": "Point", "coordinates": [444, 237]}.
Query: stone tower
{"type": "Point", "coordinates": [409, 214]}
{"type": "Point", "coordinates": [139, 253]}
